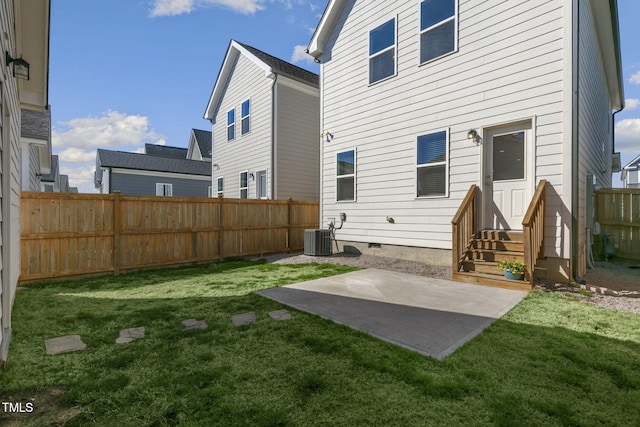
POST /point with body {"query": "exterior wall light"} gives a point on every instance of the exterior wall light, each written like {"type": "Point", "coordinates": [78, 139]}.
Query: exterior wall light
{"type": "Point", "coordinates": [20, 66]}
{"type": "Point", "coordinates": [473, 135]}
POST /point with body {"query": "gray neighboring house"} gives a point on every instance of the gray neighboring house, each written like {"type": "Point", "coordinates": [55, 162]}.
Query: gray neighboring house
{"type": "Point", "coordinates": [631, 174]}
{"type": "Point", "coordinates": [50, 182]}
{"type": "Point", "coordinates": [199, 145]}
{"type": "Point", "coordinates": [152, 175]}
{"type": "Point", "coordinates": [265, 120]}
{"type": "Point", "coordinates": [35, 145]}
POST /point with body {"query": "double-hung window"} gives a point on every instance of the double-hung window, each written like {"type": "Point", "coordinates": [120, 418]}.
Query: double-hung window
{"type": "Point", "coordinates": [244, 119]}
{"type": "Point", "coordinates": [438, 28]}
{"type": "Point", "coordinates": [382, 51]}
{"type": "Point", "coordinates": [346, 176]}
{"type": "Point", "coordinates": [220, 183]}
{"type": "Point", "coordinates": [432, 176]}
{"type": "Point", "coordinates": [244, 184]}
{"type": "Point", "coordinates": [163, 189]}
{"type": "Point", "coordinates": [231, 124]}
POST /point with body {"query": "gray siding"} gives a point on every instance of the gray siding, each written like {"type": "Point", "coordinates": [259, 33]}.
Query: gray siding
{"type": "Point", "coordinates": [251, 151]}
{"type": "Point", "coordinates": [297, 150]}
{"type": "Point", "coordinates": [508, 67]}
{"type": "Point", "coordinates": [144, 185]}
{"type": "Point", "coordinates": [594, 120]}
{"type": "Point", "coordinates": [633, 179]}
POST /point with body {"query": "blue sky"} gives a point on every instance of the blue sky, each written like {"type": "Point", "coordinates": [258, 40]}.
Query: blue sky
{"type": "Point", "coordinates": [127, 72]}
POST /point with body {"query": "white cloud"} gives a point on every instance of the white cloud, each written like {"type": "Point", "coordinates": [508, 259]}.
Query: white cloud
{"type": "Point", "coordinates": [628, 136]}
{"type": "Point", "coordinates": [171, 7]}
{"type": "Point", "coordinates": [113, 129]}
{"type": "Point", "coordinates": [635, 79]}
{"type": "Point", "coordinates": [76, 142]}
{"type": "Point", "coordinates": [76, 155]}
{"type": "Point", "coordinates": [300, 55]}
{"type": "Point", "coordinates": [179, 7]}
{"type": "Point", "coordinates": [631, 103]}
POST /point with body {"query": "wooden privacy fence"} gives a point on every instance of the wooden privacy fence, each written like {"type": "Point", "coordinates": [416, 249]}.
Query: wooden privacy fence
{"type": "Point", "coordinates": [618, 212]}
{"type": "Point", "coordinates": [72, 235]}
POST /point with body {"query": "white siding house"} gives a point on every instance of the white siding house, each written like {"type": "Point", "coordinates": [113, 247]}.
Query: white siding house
{"type": "Point", "coordinates": [265, 119]}
{"type": "Point", "coordinates": [24, 25]}
{"type": "Point", "coordinates": [402, 85]}
{"type": "Point", "coordinates": [630, 175]}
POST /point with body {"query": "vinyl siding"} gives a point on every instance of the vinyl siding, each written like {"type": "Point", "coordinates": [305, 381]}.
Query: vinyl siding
{"type": "Point", "coordinates": [594, 121]}
{"type": "Point", "coordinates": [105, 187]}
{"type": "Point", "coordinates": [298, 130]}
{"type": "Point", "coordinates": [145, 185]}
{"type": "Point", "coordinates": [10, 171]}
{"type": "Point", "coordinates": [508, 67]}
{"type": "Point", "coordinates": [251, 151]}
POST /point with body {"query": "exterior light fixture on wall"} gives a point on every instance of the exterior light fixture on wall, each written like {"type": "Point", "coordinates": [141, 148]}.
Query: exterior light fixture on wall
{"type": "Point", "coordinates": [253, 176]}
{"type": "Point", "coordinates": [217, 166]}
{"type": "Point", "coordinates": [328, 135]}
{"type": "Point", "coordinates": [473, 135]}
{"type": "Point", "coordinates": [20, 66]}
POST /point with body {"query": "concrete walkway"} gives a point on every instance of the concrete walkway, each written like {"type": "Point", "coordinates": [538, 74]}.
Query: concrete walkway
{"type": "Point", "coordinates": [431, 316]}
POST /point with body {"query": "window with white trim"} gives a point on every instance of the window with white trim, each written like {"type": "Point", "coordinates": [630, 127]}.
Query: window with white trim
{"type": "Point", "coordinates": [382, 51]}
{"type": "Point", "coordinates": [244, 184]}
{"type": "Point", "coordinates": [163, 189]}
{"type": "Point", "coordinates": [231, 124]}
{"type": "Point", "coordinates": [438, 28]}
{"type": "Point", "coordinates": [346, 176]}
{"type": "Point", "coordinates": [432, 165]}
{"type": "Point", "coordinates": [220, 183]}
{"type": "Point", "coordinates": [245, 116]}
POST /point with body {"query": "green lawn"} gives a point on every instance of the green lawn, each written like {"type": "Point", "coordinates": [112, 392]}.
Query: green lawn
{"type": "Point", "coordinates": [552, 360]}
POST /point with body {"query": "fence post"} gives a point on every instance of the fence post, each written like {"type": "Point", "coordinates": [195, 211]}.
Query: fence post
{"type": "Point", "coordinates": [116, 232]}
{"type": "Point", "coordinates": [220, 225]}
{"type": "Point", "coordinates": [289, 223]}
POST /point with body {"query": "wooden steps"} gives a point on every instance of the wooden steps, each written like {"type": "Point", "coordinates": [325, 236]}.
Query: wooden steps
{"type": "Point", "coordinates": [483, 255]}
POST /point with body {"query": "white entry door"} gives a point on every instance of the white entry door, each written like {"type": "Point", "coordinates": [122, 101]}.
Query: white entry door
{"type": "Point", "coordinates": [507, 186]}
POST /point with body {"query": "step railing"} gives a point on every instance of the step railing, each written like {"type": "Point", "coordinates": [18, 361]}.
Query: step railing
{"type": "Point", "coordinates": [464, 227]}
{"type": "Point", "coordinates": [533, 230]}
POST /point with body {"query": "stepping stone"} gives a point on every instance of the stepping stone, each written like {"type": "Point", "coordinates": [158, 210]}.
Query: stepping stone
{"type": "Point", "coordinates": [131, 334]}
{"type": "Point", "coordinates": [244, 319]}
{"type": "Point", "coordinates": [280, 315]}
{"type": "Point", "coordinates": [194, 324]}
{"type": "Point", "coordinates": [64, 344]}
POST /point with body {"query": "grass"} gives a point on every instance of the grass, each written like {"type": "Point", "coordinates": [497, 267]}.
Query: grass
{"type": "Point", "coordinates": [552, 360]}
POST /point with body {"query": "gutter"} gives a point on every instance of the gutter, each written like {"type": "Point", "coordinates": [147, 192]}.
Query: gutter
{"type": "Point", "coordinates": [274, 118]}
{"type": "Point", "coordinates": [575, 142]}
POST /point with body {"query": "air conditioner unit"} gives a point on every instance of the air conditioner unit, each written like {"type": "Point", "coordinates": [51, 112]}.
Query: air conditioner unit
{"type": "Point", "coordinates": [317, 242]}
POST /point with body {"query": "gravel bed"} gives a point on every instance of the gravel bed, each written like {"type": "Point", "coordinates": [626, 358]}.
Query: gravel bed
{"type": "Point", "coordinates": [620, 303]}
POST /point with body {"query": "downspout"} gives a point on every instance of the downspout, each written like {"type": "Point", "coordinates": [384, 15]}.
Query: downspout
{"type": "Point", "coordinates": [575, 142]}
{"type": "Point", "coordinates": [274, 118]}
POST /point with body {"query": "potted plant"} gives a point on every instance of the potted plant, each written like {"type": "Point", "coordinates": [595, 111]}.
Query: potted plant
{"type": "Point", "coordinates": [513, 270]}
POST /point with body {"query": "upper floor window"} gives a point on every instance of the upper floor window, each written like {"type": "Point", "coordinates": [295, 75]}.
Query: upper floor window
{"type": "Point", "coordinates": [346, 176]}
{"type": "Point", "coordinates": [244, 184]}
{"type": "Point", "coordinates": [438, 28]}
{"type": "Point", "coordinates": [432, 164]}
{"type": "Point", "coordinates": [382, 51]}
{"type": "Point", "coordinates": [246, 112]}
{"type": "Point", "coordinates": [231, 124]}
